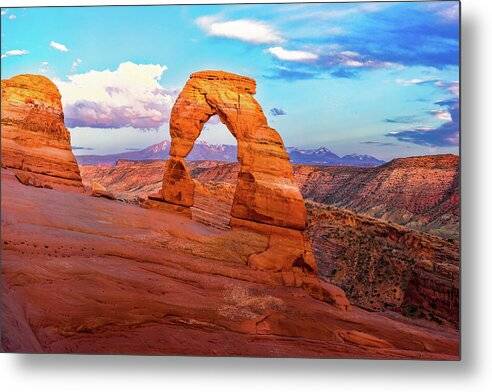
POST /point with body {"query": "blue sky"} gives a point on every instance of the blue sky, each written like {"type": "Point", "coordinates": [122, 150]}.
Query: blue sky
{"type": "Point", "coordinates": [375, 78]}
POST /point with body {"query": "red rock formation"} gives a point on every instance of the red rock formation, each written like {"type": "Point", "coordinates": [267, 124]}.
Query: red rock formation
{"type": "Point", "coordinates": [98, 190]}
{"type": "Point", "coordinates": [265, 192]}
{"type": "Point", "coordinates": [421, 193]}
{"type": "Point", "coordinates": [35, 141]}
{"type": "Point", "coordinates": [112, 277]}
{"type": "Point", "coordinates": [380, 265]}
{"type": "Point", "coordinates": [385, 266]}
{"type": "Point", "coordinates": [265, 189]}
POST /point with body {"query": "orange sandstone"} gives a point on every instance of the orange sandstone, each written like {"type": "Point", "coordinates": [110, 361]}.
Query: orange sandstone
{"type": "Point", "coordinates": [35, 141]}
{"type": "Point", "coordinates": [266, 191]}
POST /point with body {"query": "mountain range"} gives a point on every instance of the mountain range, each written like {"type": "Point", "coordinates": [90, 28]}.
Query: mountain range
{"type": "Point", "coordinates": [228, 153]}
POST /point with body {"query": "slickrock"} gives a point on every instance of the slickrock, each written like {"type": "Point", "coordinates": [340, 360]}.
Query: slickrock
{"type": "Point", "coordinates": [110, 277]}
{"type": "Point", "coordinates": [35, 141]}
{"type": "Point", "coordinates": [363, 339]}
{"type": "Point", "coordinates": [265, 192]}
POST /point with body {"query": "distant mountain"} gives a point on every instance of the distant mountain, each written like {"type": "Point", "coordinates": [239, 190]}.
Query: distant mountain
{"type": "Point", "coordinates": [228, 153]}
{"type": "Point", "coordinates": [324, 156]}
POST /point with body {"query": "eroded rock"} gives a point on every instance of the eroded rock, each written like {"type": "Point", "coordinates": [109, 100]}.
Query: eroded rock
{"type": "Point", "coordinates": [98, 190]}
{"type": "Point", "coordinates": [35, 141]}
{"type": "Point", "coordinates": [266, 191]}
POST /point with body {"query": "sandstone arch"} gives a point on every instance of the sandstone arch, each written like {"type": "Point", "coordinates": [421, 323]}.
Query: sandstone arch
{"type": "Point", "coordinates": [266, 191]}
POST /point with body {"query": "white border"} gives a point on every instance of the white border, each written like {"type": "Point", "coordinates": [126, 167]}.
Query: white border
{"type": "Point", "coordinates": [110, 373]}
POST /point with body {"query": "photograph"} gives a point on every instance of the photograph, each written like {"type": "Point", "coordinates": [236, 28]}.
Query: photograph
{"type": "Point", "coordinates": [278, 180]}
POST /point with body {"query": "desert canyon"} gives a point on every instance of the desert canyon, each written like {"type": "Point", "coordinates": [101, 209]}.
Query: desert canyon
{"type": "Point", "coordinates": [257, 258]}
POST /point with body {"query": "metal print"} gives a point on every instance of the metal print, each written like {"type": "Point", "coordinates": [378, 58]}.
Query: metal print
{"type": "Point", "coordinates": [270, 180]}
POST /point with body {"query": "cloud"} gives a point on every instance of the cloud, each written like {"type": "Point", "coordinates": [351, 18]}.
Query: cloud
{"type": "Point", "coordinates": [247, 30]}
{"type": "Point", "coordinates": [12, 17]}
{"type": "Point", "coordinates": [82, 148]}
{"type": "Point", "coordinates": [130, 96]}
{"type": "Point", "coordinates": [75, 65]}
{"type": "Point", "coordinates": [416, 82]}
{"type": "Point", "coordinates": [292, 55]}
{"type": "Point", "coordinates": [336, 12]}
{"type": "Point", "coordinates": [284, 73]}
{"type": "Point", "coordinates": [14, 52]}
{"type": "Point", "coordinates": [58, 46]}
{"type": "Point", "coordinates": [406, 33]}
{"type": "Point", "coordinates": [278, 112]}
{"type": "Point", "coordinates": [441, 114]}
{"type": "Point", "coordinates": [379, 144]}
{"type": "Point", "coordinates": [331, 60]}
{"type": "Point", "coordinates": [444, 135]}
{"type": "Point", "coordinates": [451, 87]}
{"type": "Point", "coordinates": [351, 59]}
{"type": "Point", "coordinates": [4, 12]}
{"type": "Point", "coordinates": [43, 67]}
{"type": "Point", "coordinates": [447, 11]}
{"type": "Point", "coordinates": [344, 74]}
{"type": "Point", "coordinates": [401, 120]}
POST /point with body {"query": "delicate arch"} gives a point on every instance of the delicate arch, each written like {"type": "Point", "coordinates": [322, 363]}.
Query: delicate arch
{"type": "Point", "coordinates": [266, 191]}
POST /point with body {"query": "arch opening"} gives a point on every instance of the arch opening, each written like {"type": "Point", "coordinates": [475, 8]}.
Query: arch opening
{"type": "Point", "coordinates": [214, 167]}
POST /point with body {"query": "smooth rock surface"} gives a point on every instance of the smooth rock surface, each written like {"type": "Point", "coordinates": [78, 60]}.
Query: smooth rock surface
{"type": "Point", "coordinates": [111, 277]}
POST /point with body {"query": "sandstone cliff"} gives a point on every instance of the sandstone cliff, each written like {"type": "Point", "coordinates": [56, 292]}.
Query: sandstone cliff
{"type": "Point", "coordinates": [35, 141]}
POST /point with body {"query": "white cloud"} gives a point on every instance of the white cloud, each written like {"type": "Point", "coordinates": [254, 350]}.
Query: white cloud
{"type": "Point", "coordinates": [43, 67]}
{"type": "Point", "coordinates": [292, 55]}
{"type": "Point", "coordinates": [12, 17]}
{"type": "Point", "coordinates": [353, 63]}
{"type": "Point", "coordinates": [442, 115]}
{"type": "Point", "coordinates": [353, 59]}
{"type": "Point", "coordinates": [130, 96]}
{"type": "Point", "coordinates": [14, 52]}
{"type": "Point", "coordinates": [4, 12]}
{"type": "Point", "coordinates": [415, 81]}
{"type": "Point", "coordinates": [312, 13]}
{"type": "Point", "coordinates": [75, 65]}
{"type": "Point", "coordinates": [451, 87]}
{"type": "Point", "coordinates": [58, 46]}
{"type": "Point", "coordinates": [349, 53]}
{"type": "Point", "coordinates": [448, 11]}
{"type": "Point", "coordinates": [247, 30]}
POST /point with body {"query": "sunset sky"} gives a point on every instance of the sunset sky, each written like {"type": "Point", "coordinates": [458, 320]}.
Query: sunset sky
{"type": "Point", "coordinates": [372, 78]}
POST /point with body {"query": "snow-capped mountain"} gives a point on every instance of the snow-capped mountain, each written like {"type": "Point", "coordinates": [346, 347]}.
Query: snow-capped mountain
{"type": "Point", "coordinates": [228, 153]}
